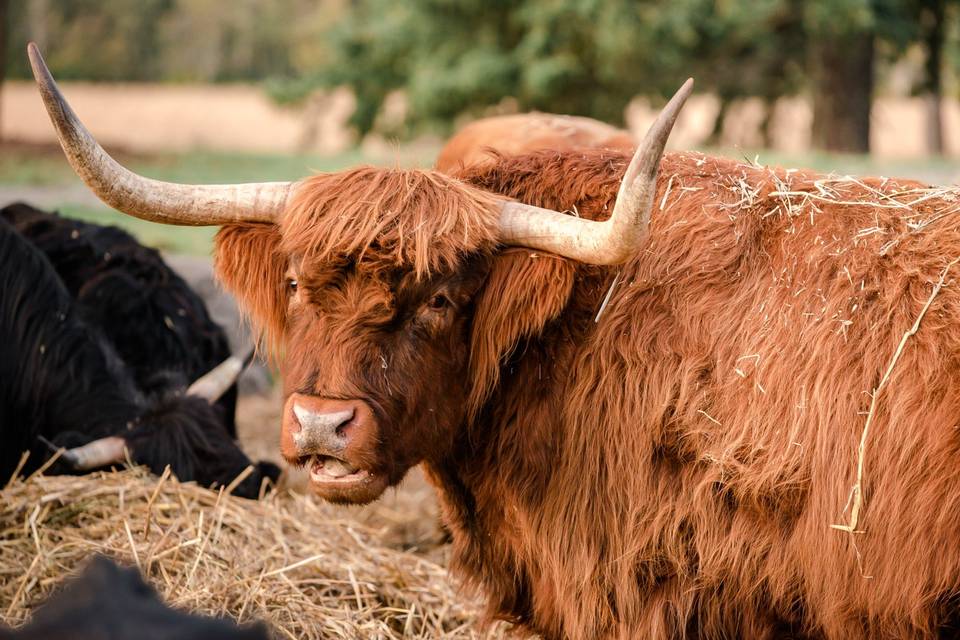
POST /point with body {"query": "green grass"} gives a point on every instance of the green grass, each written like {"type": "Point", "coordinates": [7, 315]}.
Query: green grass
{"type": "Point", "coordinates": [47, 166]}
{"type": "Point", "coordinates": [18, 168]}
{"type": "Point", "coordinates": [46, 171]}
{"type": "Point", "coordinates": [190, 240]}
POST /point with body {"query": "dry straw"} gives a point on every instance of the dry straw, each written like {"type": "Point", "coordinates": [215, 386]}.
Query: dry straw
{"type": "Point", "coordinates": [306, 568]}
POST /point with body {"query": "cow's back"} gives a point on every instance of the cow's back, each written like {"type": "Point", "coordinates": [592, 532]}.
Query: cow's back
{"type": "Point", "coordinates": [479, 142]}
{"type": "Point", "coordinates": [735, 363]}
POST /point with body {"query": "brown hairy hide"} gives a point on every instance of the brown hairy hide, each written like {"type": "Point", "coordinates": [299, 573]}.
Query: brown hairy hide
{"type": "Point", "coordinates": [249, 262]}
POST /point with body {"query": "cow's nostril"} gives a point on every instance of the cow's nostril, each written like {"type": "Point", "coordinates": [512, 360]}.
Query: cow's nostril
{"type": "Point", "coordinates": [344, 421]}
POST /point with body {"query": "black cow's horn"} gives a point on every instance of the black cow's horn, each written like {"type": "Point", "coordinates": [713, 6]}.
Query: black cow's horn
{"type": "Point", "coordinates": [213, 384]}
{"type": "Point", "coordinates": [617, 239]}
{"type": "Point", "coordinates": [112, 449]}
{"type": "Point", "coordinates": [98, 453]}
{"type": "Point", "coordinates": [141, 197]}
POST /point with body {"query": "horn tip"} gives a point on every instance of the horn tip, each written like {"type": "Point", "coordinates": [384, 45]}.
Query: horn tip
{"type": "Point", "coordinates": [33, 52]}
{"type": "Point", "coordinates": [685, 89]}
{"type": "Point", "coordinates": [40, 71]}
{"type": "Point", "coordinates": [672, 110]}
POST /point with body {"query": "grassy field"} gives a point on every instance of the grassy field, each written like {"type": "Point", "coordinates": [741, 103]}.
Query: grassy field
{"type": "Point", "coordinates": [42, 176]}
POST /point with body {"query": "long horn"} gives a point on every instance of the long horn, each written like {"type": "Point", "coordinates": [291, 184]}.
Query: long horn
{"type": "Point", "coordinates": [98, 453]}
{"type": "Point", "coordinates": [213, 384]}
{"type": "Point", "coordinates": [617, 239]}
{"type": "Point", "coordinates": [145, 198]}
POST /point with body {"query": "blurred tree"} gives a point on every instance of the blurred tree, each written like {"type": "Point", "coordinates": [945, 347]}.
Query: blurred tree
{"type": "Point", "coordinates": [587, 57]}
{"type": "Point", "coordinates": [252, 40]}
{"type": "Point", "coordinates": [449, 56]}
{"type": "Point", "coordinates": [154, 40]}
{"type": "Point", "coordinates": [932, 18]}
{"type": "Point", "coordinates": [92, 40]}
{"type": "Point", "coordinates": [36, 18]}
{"type": "Point", "coordinates": [842, 41]}
{"type": "Point", "coordinates": [846, 39]}
{"type": "Point", "coordinates": [740, 49]}
{"type": "Point", "coordinates": [452, 57]}
{"type": "Point", "coordinates": [590, 57]}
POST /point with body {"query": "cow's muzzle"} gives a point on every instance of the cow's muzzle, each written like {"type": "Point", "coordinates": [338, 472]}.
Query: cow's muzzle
{"type": "Point", "coordinates": [336, 440]}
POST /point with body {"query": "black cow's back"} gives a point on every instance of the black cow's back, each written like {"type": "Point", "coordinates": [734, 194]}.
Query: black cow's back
{"type": "Point", "coordinates": [57, 374]}
{"type": "Point", "coordinates": [157, 324]}
{"type": "Point", "coordinates": [108, 602]}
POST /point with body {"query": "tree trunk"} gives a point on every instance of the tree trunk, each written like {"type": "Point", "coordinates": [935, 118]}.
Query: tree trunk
{"type": "Point", "coordinates": [4, 30]}
{"type": "Point", "coordinates": [842, 74]}
{"type": "Point", "coordinates": [769, 108]}
{"type": "Point", "coordinates": [716, 136]}
{"type": "Point", "coordinates": [316, 105]}
{"type": "Point", "coordinates": [931, 21]}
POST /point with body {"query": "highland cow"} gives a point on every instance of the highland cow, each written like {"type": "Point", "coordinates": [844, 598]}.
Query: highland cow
{"type": "Point", "coordinates": [720, 401]}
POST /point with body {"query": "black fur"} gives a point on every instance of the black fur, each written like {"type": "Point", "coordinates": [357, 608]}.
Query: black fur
{"type": "Point", "coordinates": [63, 379]}
{"type": "Point", "coordinates": [113, 278]}
{"type": "Point", "coordinates": [108, 602]}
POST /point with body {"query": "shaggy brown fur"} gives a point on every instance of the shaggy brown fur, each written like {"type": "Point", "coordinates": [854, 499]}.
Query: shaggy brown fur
{"type": "Point", "coordinates": [673, 469]}
{"type": "Point", "coordinates": [482, 141]}
{"type": "Point", "coordinates": [388, 219]}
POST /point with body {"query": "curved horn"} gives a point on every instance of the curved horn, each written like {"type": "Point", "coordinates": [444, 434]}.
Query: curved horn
{"type": "Point", "coordinates": [617, 239]}
{"type": "Point", "coordinates": [98, 453]}
{"type": "Point", "coordinates": [213, 384]}
{"type": "Point", "coordinates": [142, 197]}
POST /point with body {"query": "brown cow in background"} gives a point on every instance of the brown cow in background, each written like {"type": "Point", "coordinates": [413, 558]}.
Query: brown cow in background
{"type": "Point", "coordinates": [658, 447]}
{"type": "Point", "coordinates": [480, 141]}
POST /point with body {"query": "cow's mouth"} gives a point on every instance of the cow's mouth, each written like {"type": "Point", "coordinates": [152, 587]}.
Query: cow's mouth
{"type": "Point", "coordinates": [330, 469]}
{"type": "Point", "coordinates": [339, 481]}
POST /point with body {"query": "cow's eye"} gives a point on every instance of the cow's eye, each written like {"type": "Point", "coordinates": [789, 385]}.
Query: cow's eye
{"type": "Point", "coordinates": [438, 302]}
{"type": "Point", "coordinates": [291, 285]}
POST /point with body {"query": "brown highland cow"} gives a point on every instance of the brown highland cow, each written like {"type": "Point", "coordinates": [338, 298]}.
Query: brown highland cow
{"type": "Point", "coordinates": [744, 423]}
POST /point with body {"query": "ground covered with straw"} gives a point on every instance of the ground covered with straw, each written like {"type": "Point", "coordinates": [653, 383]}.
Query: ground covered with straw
{"type": "Point", "coordinates": [308, 569]}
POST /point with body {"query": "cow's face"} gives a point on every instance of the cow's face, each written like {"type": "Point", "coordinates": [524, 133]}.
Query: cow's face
{"type": "Point", "coordinates": [389, 306]}
{"type": "Point", "coordinates": [367, 303]}
{"type": "Point", "coordinates": [374, 371]}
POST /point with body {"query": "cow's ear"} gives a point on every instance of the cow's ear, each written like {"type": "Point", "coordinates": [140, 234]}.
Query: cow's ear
{"type": "Point", "coordinates": [250, 264]}
{"type": "Point", "coordinates": [524, 291]}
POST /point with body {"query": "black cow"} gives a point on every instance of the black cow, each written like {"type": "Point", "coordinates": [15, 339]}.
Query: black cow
{"type": "Point", "coordinates": [158, 325]}
{"type": "Point", "coordinates": [107, 602]}
{"type": "Point", "coordinates": [63, 379]}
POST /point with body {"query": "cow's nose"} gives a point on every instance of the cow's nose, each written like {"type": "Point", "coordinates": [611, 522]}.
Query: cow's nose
{"type": "Point", "coordinates": [321, 432]}
{"type": "Point", "coordinates": [345, 429]}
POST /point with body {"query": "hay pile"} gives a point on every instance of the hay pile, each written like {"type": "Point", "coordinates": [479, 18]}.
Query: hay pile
{"type": "Point", "coordinates": [302, 566]}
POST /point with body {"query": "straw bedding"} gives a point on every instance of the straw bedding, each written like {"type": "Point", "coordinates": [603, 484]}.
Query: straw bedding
{"type": "Point", "coordinates": [308, 569]}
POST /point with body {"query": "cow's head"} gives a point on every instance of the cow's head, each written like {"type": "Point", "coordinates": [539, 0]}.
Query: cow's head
{"type": "Point", "coordinates": [385, 294]}
{"type": "Point", "coordinates": [182, 431]}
